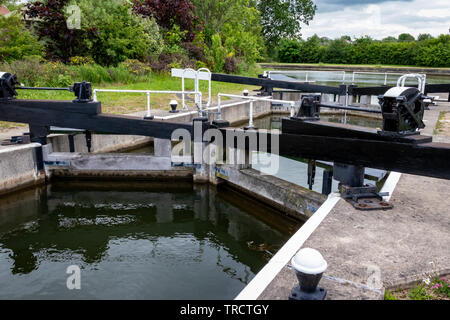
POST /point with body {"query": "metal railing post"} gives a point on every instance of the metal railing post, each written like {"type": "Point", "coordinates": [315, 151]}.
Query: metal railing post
{"type": "Point", "coordinates": [250, 123]}
{"type": "Point", "coordinates": [148, 105]}
{"type": "Point", "coordinates": [219, 111]}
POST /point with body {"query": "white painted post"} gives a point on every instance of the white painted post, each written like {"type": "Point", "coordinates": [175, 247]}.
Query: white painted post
{"type": "Point", "coordinates": [219, 112]}
{"type": "Point", "coordinates": [250, 124]}
{"type": "Point", "coordinates": [148, 105]}
{"type": "Point", "coordinates": [292, 109]}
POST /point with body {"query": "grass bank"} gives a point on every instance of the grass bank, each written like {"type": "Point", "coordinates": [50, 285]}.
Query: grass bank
{"type": "Point", "coordinates": [124, 103]}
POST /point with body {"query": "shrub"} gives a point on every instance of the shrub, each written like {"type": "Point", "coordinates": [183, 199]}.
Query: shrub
{"type": "Point", "coordinates": [80, 61]}
{"type": "Point", "coordinates": [218, 53]}
{"type": "Point", "coordinates": [136, 67]}
{"type": "Point", "coordinates": [119, 35]}
{"type": "Point", "coordinates": [289, 51]}
{"type": "Point", "coordinates": [231, 65]}
{"type": "Point", "coordinates": [169, 13]}
{"type": "Point", "coordinates": [51, 26]}
{"type": "Point", "coordinates": [16, 42]}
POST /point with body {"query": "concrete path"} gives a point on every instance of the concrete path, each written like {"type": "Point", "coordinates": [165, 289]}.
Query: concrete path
{"type": "Point", "coordinates": [370, 251]}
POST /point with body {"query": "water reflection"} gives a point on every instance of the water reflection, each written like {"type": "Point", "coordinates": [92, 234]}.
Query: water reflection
{"type": "Point", "coordinates": [295, 170]}
{"type": "Point", "coordinates": [152, 241]}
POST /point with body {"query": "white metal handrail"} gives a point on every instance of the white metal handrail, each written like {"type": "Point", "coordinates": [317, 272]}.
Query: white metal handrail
{"type": "Point", "coordinates": [307, 73]}
{"type": "Point", "coordinates": [189, 73]}
{"type": "Point", "coordinates": [421, 78]}
{"type": "Point", "coordinates": [251, 99]}
{"type": "Point", "coordinates": [149, 92]}
{"type": "Point", "coordinates": [182, 85]}
{"type": "Point", "coordinates": [386, 74]}
{"type": "Point", "coordinates": [209, 83]}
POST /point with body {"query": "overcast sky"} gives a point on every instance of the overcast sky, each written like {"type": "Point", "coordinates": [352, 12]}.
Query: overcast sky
{"type": "Point", "coordinates": [379, 18]}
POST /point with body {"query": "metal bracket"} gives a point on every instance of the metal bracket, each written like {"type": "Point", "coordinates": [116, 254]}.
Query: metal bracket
{"type": "Point", "coordinates": [365, 198]}
{"type": "Point", "coordinates": [298, 294]}
{"type": "Point", "coordinates": [25, 139]}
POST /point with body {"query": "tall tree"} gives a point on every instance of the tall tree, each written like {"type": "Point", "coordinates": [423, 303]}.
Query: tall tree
{"type": "Point", "coordinates": [424, 36]}
{"type": "Point", "coordinates": [50, 24]}
{"type": "Point", "coordinates": [169, 12]}
{"type": "Point", "coordinates": [406, 37]}
{"type": "Point", "coordinates": [283, 18]}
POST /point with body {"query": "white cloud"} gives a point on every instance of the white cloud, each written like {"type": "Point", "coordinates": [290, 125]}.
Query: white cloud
{"type": "Point", "coordinates": [380, 20]}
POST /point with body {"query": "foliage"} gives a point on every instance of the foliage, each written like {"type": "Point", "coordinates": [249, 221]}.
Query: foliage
{"type": "Point", "coordinates": [424, 36]}
{"type": "Point", "coordinates": [81, 61]}
{"type": "Point", "coordinates": [388, 295]}
{"type": "Point", "coordinates": [441, 287]}
{"type": "Point", "coordinates": [237, 22]}
{"type": "Point", "coordinates": [419, 292]}
{"type": "Point", "coordinates": [406, 37]}
{"type": "Point", "coordinates": [49, 23]}
{"type": "Point", "coordinates": [136, 67]}
{"type": "Point", "coordinates": [289, 51]}
{"type": "Point", "coordinates": [16, 41]}
{"type": "Point", "coordinates": [283, 18]}
{"type": "Point", "coordinates": [169, 13]}
{"type": "Point", "coordinates": [119, 35]}
{"type": "Point", "coordinates": [433, 52]}
{"type": "Point", "coordinates": [231, 64]}
{"type": "Point", "coordinates": [218, 53]}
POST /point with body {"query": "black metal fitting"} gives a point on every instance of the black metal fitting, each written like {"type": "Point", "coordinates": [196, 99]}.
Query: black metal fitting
{"type": "Point", "coordinates": [402, 113]}
{"type": "Point", "coordinates": [8, 83]}
{"type": "Point", "coordinates": [83, 92]}
{"type": "Point", "coordinates": [352, 188]}
{"type": "Point", "coordinates": [309, 108]}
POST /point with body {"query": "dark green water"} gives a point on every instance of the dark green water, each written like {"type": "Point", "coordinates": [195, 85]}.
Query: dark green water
{"type": "Point", "coordinates": [146, 241]}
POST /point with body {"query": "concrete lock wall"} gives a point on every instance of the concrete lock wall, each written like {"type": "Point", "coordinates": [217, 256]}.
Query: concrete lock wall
{"type": "Point", "coordinates": [100, 143]}
{"type": "Point", "coordinates": [18, 168]}
{"type": "Point", "coordinates": [292, 199]}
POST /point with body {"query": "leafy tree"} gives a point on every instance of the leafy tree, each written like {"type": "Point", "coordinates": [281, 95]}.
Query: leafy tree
{"type": "Point", "coordinates": [50, 25]}
{"type": "Point", "coordinates": [289, 51]}
{"type": "Point", "coordinates": [406, 37]}
{"type": "Point", "coordinates": [168, 13]}
{"type": "Point", "coordinates": [237, 22]}
{"type": "Point", "coordinates": [424, 36]}
{"type": "Point", "coordinates": [283, 18]}
{"type": "Point", "coordinates": [119, 34]}
{"type": "Point", "coordinates": [16, 42]}
{"type": "Point", "coordinates": [390, 39]}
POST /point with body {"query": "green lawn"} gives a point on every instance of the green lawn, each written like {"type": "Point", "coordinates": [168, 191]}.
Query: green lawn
{"type": "Point", "coordinates": [122, 103]}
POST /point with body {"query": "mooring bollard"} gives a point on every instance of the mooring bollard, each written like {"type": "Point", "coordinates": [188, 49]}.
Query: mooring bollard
{"type": "Point", "coordinates": [173, 106]}
{"type": "Point", "coordinates": [309, 266]}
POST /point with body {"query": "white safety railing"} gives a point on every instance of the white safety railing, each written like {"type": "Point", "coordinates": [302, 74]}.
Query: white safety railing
{"type": "Point", "coordinates": [421, 78]}
{"type": "Point", "coordinates": [307, 73]}
{"type": "Point", "coordinates": [149, 93]}
{"type": "Point", "coordinates": [197, 75]}
{"type": "Point", "coordinates": [251, 99]}
{"type": "Point", "coordinates": [385, 74]}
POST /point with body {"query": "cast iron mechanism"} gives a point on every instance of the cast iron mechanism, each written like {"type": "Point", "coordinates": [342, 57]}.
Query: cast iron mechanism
{"type": "Point", "coordinates": [309, 108]}
{"type": "Point", "coordinates": [83, 92]}
{"type": "Point", "coordinates": [402, 109]}
{"type": "Point", "coordinates": [8, 82]}
{"type": "Point", "coordinates": [353, 189]}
